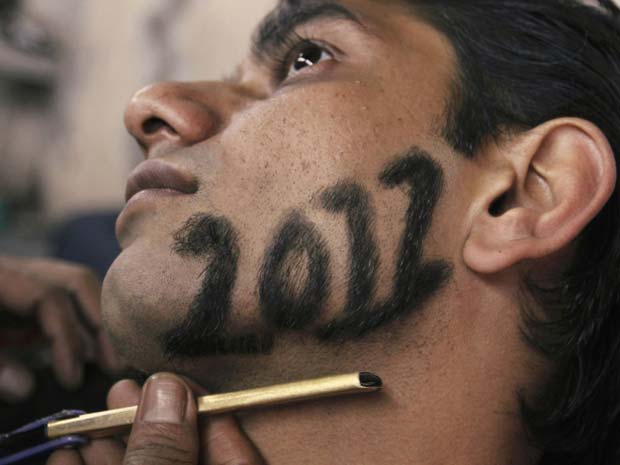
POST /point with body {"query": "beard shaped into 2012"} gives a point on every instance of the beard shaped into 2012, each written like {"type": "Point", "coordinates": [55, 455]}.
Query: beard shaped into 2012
{"type": "Point", "coordinates": [290, 303]}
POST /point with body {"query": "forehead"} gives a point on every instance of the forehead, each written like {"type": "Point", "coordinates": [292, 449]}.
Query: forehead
{"type": "Point", "coordinates": [299, 10]}
{"type": "Point", "coordinates": [299, 3]}
{"type": "Point", "coordinates": [375, 16]}
{"type": "Point", "coordinates": [289, 14]}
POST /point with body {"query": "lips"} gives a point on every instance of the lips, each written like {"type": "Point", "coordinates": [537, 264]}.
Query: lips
{"type": "Point", "coordinates": [159, 175]}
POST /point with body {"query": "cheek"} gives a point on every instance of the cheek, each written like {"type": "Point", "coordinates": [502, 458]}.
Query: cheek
{"type": "Point", "coordinates": [310, 136]}
{"type": "Point", "coordinates": [279, 155]}
{"type": "Point", "coordinates": [450, 222]}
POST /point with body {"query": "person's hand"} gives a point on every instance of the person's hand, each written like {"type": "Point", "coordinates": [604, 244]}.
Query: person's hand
{"type": "Point", "coordinates": [166, 430]}
{"type": "Point", "coordinates": [62, 299]}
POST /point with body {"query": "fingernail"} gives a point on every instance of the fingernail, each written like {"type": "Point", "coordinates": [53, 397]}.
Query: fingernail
{"type": "Point", "coordinates": [16, 383]}
{"type": "Point", "coordinates": [164, 401]}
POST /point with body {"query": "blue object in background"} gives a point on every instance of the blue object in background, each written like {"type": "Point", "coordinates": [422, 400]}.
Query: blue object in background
{"type": "Point", "coordinates": [30, 441]}
{"type": "Point", "coordinates": [88, 239]}
{"type": "Point", "coordinates": [3, 216]}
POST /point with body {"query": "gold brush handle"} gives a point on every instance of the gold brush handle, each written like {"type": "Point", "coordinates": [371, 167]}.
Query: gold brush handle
{"type": "Point", "coordinates": [112, 422]}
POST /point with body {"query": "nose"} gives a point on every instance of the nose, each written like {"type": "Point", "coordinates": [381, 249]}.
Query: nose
{"type": "Point", "coordinates": [180, 114]}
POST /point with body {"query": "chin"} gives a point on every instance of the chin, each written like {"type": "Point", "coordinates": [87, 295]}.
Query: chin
{"type": "Point", "coordinates": [130, 317]}
{"type": "Point", "coordinates": [135, 351]}
{"type": "Point", "coordinates": [146, 291]}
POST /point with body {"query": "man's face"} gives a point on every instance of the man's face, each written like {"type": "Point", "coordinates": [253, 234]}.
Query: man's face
{"type": "Point", "coordinates": [301, 201]}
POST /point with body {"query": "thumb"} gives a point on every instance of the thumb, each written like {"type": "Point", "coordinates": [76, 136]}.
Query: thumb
{"type": "Point", "coordinates": [164, 430]}
{"type": "Point", "coordinates": [16, 382]}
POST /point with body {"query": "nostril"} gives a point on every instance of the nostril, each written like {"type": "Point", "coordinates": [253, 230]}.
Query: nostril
{"type": "Point", "coordinates": [154, 125]}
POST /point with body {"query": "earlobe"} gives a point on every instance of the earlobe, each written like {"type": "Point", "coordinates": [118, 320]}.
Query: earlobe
{"type": "Point", "coordinates": [563, 173]}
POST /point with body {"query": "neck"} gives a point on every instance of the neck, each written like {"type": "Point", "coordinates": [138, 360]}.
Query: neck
{"type": "Point", "coordinates": [409, 422]}
{"type": "Point", "coordinates": [448, 397]}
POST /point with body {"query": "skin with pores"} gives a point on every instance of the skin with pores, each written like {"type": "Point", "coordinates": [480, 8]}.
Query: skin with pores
{"type": "Point", "coordinates": [294, 279]}
{"type": "Point", "coordinates": [262, 177]}
{"type": "Point", "coordinates": [261, 152]}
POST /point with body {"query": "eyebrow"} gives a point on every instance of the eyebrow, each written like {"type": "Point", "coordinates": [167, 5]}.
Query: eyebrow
{"type": "Point", "coordinates": [289, 15]}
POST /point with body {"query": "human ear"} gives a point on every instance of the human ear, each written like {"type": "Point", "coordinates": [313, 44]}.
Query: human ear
{"type": "Point", "coordinates": [537, 192]}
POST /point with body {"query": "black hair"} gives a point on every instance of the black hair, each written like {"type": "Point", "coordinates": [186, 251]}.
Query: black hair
{"type": "Point", "coordinates": [521, 63]}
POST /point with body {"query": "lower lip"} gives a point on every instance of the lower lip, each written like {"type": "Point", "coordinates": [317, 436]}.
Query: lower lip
{"type": "Point", "coordinates": [143, 199]}
{"type": "Point", "coordinates": [151, 194]}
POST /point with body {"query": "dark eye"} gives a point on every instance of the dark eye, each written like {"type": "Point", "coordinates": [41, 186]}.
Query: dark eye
{"type": "Point", "coordinates": [307, 56]}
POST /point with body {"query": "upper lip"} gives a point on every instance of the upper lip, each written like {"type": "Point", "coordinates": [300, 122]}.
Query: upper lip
{"type": "Point", "coordinates": [157, 174]}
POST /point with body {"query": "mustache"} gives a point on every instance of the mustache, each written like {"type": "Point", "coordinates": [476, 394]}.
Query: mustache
{"type": "Point", "coordinates": [294, 301]}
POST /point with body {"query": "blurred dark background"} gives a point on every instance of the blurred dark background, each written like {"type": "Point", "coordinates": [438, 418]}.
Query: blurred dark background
{"type": "Point", "coordinates": [67, 69]}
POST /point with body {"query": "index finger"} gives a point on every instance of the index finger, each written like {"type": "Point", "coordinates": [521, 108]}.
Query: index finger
{"type": "Point", "coordinates": [111, 451]}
